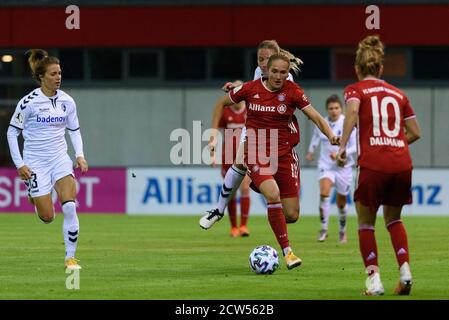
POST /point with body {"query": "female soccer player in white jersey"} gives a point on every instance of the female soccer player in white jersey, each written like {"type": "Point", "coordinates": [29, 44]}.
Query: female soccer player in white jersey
{"type": "Point", "coordinates": [235, 175]}
{"type": "Point", "coordinates": [330, 173]}
{"type": "Point", "coordinates": [42, 117]}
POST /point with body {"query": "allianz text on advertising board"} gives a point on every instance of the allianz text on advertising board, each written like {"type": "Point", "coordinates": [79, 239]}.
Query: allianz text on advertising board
{"type": "Point", "coordinates": [430, 192]}
{"type": "Point", "coordinates": [195, 190]}
{"type": "Point", "coordinates": [99, 191]}
{"type": "Point", "coordinates": [173, 191]}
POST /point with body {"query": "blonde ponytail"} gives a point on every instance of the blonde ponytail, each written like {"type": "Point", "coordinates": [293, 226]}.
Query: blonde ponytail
{"type": "Point", "coordinates": [370, 56]}
{"type": "Point", "coordinates": [295, 62]}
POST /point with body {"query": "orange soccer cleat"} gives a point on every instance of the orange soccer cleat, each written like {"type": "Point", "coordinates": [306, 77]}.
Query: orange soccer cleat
{"type": "Point", "coordinates": [234, 232]}
{"type": "Point", "coordinates": [72, 264]}
{"type": "Point", "coordinates": [405, 281]}
{"type": "Point", "coordinates": [244, 232]}
{"type": "Point", "coordinates": [292, 261]}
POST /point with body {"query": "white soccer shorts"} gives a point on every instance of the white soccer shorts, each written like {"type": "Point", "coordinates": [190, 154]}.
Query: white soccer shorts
{"type": "Point", "coordinates": [44, 176]}
{"type": "Point", "coordinates": [340, 177]}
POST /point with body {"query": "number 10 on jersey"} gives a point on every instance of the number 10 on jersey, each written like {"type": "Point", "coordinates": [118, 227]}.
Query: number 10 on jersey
{"type": "Point", "coordinates": [380, 119]}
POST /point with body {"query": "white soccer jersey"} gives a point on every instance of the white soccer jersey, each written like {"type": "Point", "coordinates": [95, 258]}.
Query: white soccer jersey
{"type": "Point", "coordinates": [258, 74]}
{"type": "Point", "coordinates": [325, 161]}
{"type": "Point", "coordinates": [43, 121]}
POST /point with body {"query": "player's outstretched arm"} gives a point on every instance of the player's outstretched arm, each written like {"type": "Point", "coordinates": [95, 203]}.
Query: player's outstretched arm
{"type": "Point", "coordinates": [351, 115]}
{"type": "Point", "coordinates": [412, 130]}
{"type": "Point", "coordinates": [228, 86]}
{"type": "Point", "coordinates": [314, 143]}
{"type": "Point", "coordinates": [319, 121]}
{"type": "Point", "coordinates": [351, 146]}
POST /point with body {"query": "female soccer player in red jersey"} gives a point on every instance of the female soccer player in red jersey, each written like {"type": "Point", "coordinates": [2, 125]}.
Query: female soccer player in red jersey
{"type": "Point", "coordinates": [271, 160]}
{"type": "Point", "coordinates": [233, 121]}
{"type": "Point", "coordinates": [236, 173]}
{"type": "Point", "coordinates": [386, 125]}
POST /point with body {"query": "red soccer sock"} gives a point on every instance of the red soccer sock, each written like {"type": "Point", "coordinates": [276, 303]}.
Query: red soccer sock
{"type": "Point", "coordinates": [368, 246]}
{"type": "Point", "coordinates": [244, 210]}
{"type": "Point", "coordinates": [399, 241]}
{"type": "Point", "coordinates": [277, 222]}
{"type": "Point", "coordinates": [232, 209]}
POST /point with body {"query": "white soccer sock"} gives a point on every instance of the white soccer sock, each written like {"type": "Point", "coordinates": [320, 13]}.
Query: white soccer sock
{"type": "Point", "coordinates": [231, 183]}
{"type": "Point", "coordinates": [342, 218]}
{"type": "Point", "coordinates": [70, 228]}
{"type": "Point", "coordinates": [325, 203]}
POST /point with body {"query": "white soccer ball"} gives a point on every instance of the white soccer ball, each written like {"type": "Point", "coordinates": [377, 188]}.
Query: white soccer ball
{"type": "Point", "coordinates": [264, 260]}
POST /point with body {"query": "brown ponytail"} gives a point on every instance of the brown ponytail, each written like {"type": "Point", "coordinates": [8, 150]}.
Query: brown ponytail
{"type": "Point", "coordinates": [39, 60]}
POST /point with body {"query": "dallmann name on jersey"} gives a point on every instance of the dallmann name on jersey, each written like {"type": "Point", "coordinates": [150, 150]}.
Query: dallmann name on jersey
{"type": "Point", "coordinates": [384, 141]}
{"type": "Point", "coordinates": [50, 119]}
{"type": "Point", "coordinates": [258, 107]}
{"type": "Point", "coordinates": [382, 89]}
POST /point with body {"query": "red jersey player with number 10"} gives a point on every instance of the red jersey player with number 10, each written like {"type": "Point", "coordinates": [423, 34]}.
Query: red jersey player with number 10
{"type": "Point", "coordinates": [270, 103]}
{"type": "Point", "coordinates": [386, 125]}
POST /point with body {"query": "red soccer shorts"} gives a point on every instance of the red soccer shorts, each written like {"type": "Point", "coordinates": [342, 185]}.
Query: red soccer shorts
{"type": "Point", "coordinates": [286, 175]}
{"type": "Point", "coordinates": [375, 188]}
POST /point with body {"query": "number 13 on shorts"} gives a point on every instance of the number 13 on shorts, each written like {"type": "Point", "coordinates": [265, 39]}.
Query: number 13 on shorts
{"type": "Point", "coordinates": [31, 184]}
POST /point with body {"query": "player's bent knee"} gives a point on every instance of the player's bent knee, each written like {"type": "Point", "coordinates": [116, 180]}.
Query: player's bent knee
{"type": "Point", "coordinates": [47, 218]}
{"type": "Point", "coordinates": [274, 197]}
{"type": "Point", "coordinates": [292, 216]}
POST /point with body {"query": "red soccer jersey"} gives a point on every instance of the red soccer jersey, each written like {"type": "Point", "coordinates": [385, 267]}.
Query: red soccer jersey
{"type": "Point", "coordinates": [270, 110]}
{"type": "Point", "coordinates": [382, 145]}
{"type": "Point", "coordinates": [235, 120]}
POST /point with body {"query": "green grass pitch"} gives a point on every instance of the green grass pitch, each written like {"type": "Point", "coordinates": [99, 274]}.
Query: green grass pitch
{"type": "Point", "coordinates": [170, 257]}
